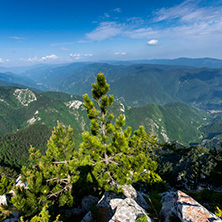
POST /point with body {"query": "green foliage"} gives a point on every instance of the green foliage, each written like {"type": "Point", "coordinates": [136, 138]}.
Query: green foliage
{"type": "Point", "coordinates": [116, 158]}
{"type": "Point", "coordinates": [188, 167]}
{"type": "Point", "coordinates": [142, 218]}
{"type": "Point", "coordinates": [5, 212]}
{"type": "Point", "coordinates": [42, 217]}
{"type": "Point", "coordinates": [154, 201]}
{"type": "Point", "coordinates": [14, 147]}
{"type": "Point", "coordinates": [5, 185]}
{"type": "Point", "coordinates": [10, 173]}
{"type": "Point", "coordinates": [51, 176]}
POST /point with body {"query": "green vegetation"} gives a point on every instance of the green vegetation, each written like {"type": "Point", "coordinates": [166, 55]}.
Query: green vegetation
{"type": "Point", "coordinates": [42, 217]}
{"type": "Point", "coordinates": [115, 157]}
{"type": "Point", "coordinates": [50, 176]}
{"type": "Point", "coordinates": [109, 155]}
{"type": "Point", "coordinates": [154, 201]}
{"type": "Point", "coordinates": [142, 218]}
{"type": "Point", "coordinates": [187, 167]}
{"type": "Point", "coordinates": [14, 147]}
{"type": "Point", "coordinates": [108, 158]}
{"type": "Point", "coordinates": [140, 84]}
{"type": "Point", "coordinates": [5, 185]}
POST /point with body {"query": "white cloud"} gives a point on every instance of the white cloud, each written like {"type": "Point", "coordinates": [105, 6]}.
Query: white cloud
{"type": "Point", "coordinates": [188, 12]}
{"type": "Point", "coordinates": [50, 57]}
{"type": "Point", "coordinates": [35, 59]}
{"type": "Point", "coordinates": [4, 60]}
{"type": "Point", "coordinates": [178, 11]}
{"type": "Point", "coordinates": [78, 56]}
{"type": "Point", "coordinates": [74, 55]}
{"type": "Point", "coordinates": [64, 49]}
{"type": "Point", "coordinates": [16, 37]}
{"type": "Point", "coordinates": [90, 54]}
{"type": "Point", "coordinates": [120, 53]}
{"type": "Point", "coordinates": [140, 33]}
{"type": "Point", "coordinates": [152, 42]}
{"type": "Point", "coordinates": [105, 30]}
{"type": "Point", "coordinates": [117, 10]}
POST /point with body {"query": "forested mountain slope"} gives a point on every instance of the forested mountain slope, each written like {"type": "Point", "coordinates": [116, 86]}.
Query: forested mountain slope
{"type": "Point", "coordinates": [23, 107]}
{"type": "Point", "coordinates": [138, 84]}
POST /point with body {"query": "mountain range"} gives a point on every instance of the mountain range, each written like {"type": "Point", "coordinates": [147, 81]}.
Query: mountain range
{"type": "Point", "coordinates": [23, 107]}
{"type": "Point", "coordinates": [171, 101]}
{"type": "Point", "coordinates": [138, 84]}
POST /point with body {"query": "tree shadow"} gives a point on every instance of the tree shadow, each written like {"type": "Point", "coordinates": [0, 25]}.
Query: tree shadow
{"type": "Point", "coordinates": [86, 184]}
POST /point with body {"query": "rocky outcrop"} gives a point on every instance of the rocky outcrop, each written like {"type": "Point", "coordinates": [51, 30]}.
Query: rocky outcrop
{"type": "Point", "coordinates": [112, 207]}
{"type": "Point", "coordinates": [126, 210]}
{"type": "Point", "coordinates": [184, 208]}
{"type": "Point", "coordinates": [129, 191]}
{"type": "Point", "coordinates": [3, 199]}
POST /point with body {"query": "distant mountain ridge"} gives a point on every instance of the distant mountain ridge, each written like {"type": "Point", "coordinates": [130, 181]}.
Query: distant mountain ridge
{"type": "Point", "coordinates": [133, 85]}
{"type": "Point", "coordinates": [183, 61]}
{"type": "Point", "coordinates": [23, 107]}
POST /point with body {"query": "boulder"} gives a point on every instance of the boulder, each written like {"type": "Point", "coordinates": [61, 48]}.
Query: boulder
{"type": "Point", "coordinates": [112, 207]}
{"type": "Point", "coordinates": [190, 210]}
{"type": "Point", "coordinates": [126, 210]}
{"type": "Point", "coordinates": [3, 199]}
{"type": "Point", "coordinates": [185, 208]}
{"type": "Point", "coordinates": [129, 191]}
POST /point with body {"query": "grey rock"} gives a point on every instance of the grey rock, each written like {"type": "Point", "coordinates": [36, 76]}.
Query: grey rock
{"type": "Point", "coordinates": [112, 207]}
{"type": "Point", "coordinates": [3, 200]}
{"type": "Point", "coordinates": [129, 191]}
{"type": "Point", "coordinates": [19, 182]}
{"type": "Point", "coordinates": [88, 217]}
{"type": "Point", "coordinates": [168, 201]}
{"type": "Point", "coordinates": [126, 210]}
{"type": "Point", "coordinates": [188, 209]}
{"type": "Point", "coordinates": [185, 208]}
{"type": "Point", "coordinates": [87, 202]}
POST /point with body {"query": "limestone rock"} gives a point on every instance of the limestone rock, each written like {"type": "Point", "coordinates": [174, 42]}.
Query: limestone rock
{"type": "Point", "coordinates": [112, 208]}
{"type": "Point", "coordinates": [3, 199]}
{"type": "Point", "coordinates": [190, 210]}
{"type": "Point", "coordinates": [129, 191]}
{"type": "Point", "coordinates": [185, 208]}
{"type": "Point", "coordinates": [126, 210]}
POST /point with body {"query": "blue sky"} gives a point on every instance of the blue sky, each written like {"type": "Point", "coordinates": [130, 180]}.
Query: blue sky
{"type": "Point", "coordinates": [55, 31]}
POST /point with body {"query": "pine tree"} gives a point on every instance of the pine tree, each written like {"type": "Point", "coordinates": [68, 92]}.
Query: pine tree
{"type": "Point", "coordinates": [5, 185]}
{"type": "Point", "coordinates": [51, 176]}
{"type": "Point", "coordinates": [42, 217]}
{"type": "Point", "coordinates": [116, 158]}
